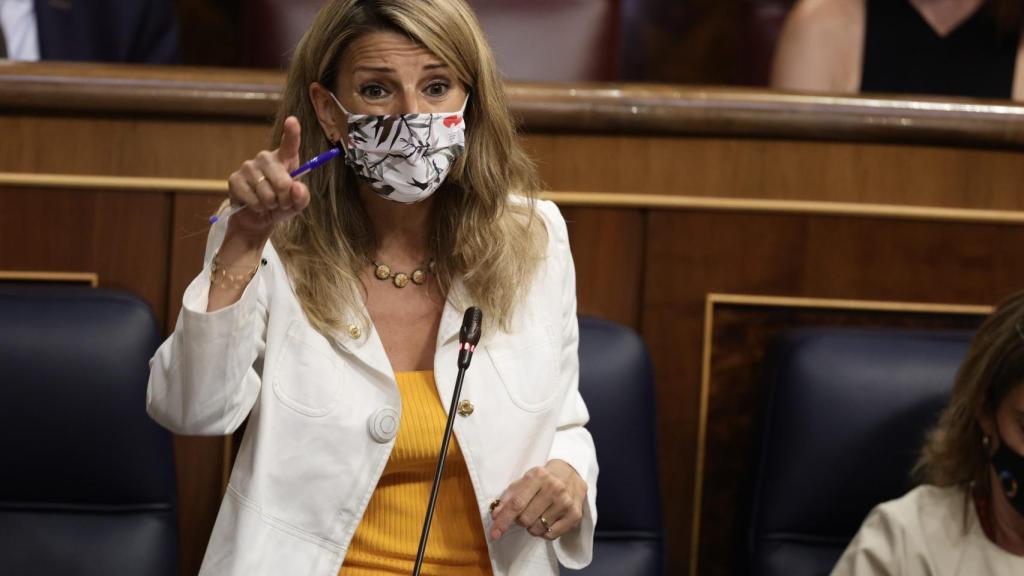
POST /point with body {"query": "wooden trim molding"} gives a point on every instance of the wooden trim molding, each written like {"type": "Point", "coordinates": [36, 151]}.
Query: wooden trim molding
{"type": "Point", "coordinates": [130, 183]}
{"type": "Point", "coordinates": [715, 299]}
{"type": "Point", "coordinates": [90, 278]}
{"type": "Point", "coordinates": [643, 109]}
{"type": "Point", "coordinates": [565, 198]}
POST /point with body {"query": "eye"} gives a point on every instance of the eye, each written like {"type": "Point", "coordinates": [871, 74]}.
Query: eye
{"type": "Point", "coordinates": [436, 89]}
{"type": "Point", "coordinates": [372, 91]}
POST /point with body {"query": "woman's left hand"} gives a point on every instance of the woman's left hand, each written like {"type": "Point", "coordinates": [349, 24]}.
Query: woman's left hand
{"type": "Point", "coordinates": [548, 501]}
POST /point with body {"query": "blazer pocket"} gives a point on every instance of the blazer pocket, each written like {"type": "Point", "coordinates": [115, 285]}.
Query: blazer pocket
{"type": "Point", "coordinates": [308, 375]}
{"type": "Point", "coordinates": [527, 365]}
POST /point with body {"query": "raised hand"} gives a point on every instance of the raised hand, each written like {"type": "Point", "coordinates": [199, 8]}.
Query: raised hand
{"type": "Point", "coordinates": [264, 186]}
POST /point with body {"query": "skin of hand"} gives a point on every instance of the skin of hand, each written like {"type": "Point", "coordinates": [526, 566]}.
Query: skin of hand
{"type": "Point", "coordinates": [262, 183]}
{"type": "Point", "coordinates": [554, 491]}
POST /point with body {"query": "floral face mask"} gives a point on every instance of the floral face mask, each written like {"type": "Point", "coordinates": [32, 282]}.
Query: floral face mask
{"type": "Point", "coordinates": [404, 157]}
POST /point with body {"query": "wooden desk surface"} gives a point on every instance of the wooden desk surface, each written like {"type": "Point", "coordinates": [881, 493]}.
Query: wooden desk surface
{"type": "Point", "coordinates": [638, 109]}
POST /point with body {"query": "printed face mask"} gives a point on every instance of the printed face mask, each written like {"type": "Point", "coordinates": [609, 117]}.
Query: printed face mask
{"type": "Point", "coordinates": [1009, 465]}
{"type": "Point", "coordinates": [404, 157]}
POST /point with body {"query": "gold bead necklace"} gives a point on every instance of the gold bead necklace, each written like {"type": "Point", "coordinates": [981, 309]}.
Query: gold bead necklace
{"type": "Point", "coordinates": [402, 279]}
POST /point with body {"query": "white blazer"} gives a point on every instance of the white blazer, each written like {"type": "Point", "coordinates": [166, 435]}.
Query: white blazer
{"type": "Point", "coordinates": [323, 415]}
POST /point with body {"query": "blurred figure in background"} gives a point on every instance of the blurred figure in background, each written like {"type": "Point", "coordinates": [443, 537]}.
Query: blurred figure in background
{"type": "Point", "coordinates": [969, 516]}
{"type": "Point", "coordinates": [947, 47]}
{"type": "Point", "coordinates": [133, 31]}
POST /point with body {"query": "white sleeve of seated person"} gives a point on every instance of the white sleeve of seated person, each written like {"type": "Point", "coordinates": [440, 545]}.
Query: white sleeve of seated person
{"type": "Point", "coordinates": [203, 379]}
{"type": "Point", "coordinates": [572, 442]}
{"type": "Point", "coordinates": [878, 549]}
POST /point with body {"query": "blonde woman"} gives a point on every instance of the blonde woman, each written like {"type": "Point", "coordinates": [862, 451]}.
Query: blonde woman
{"type": "Point", "coordinates": [969, 517]}
{"type": "Point", "coordinates": [328, 309]}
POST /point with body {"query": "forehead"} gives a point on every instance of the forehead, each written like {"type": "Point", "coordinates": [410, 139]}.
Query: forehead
{"type": "Point", "coordinates": [386, 50]}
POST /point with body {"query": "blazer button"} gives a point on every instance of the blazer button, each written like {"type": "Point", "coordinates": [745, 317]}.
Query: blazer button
{"type": "Point", "coordinates": [465, 408]}
{"type": "Point", "coordinates": [354, 331]}
{"type": "Point", "coordinates": [383, 425]}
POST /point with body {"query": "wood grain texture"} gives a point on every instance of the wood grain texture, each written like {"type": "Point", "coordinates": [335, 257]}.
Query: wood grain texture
{"type": "Point", "coordinates": [782, 170]}
{"type": "Point", "coordinates": [692, 254]}
{"type": "Point", "coordinates": [607, 247]}
{"type": "Point", "coordinates": [636, 109]}
{"type": "Point", "coordinates": [120, 236]}
{"type": "Point", "coordinates": [198, 462]}
{"type": "Point", "coordinates": [123, 145]}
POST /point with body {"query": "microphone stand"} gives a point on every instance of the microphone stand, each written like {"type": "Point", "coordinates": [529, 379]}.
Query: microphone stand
{"type": "Point", "coordinates": [469, 337]}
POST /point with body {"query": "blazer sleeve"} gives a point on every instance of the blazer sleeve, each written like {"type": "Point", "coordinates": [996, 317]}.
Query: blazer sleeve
{"type": "Point", "coordinates": [205, 377]}
{"type": "Point", "coordinates": [572, 442]}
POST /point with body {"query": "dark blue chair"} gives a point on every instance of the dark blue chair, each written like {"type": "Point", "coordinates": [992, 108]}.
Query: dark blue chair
{"type": "Point", "coordinates": [617, 383]}
{"type": "Point", "coordinates": [87, 483]}
{"type": "Point", "coordinates": [847, 414]}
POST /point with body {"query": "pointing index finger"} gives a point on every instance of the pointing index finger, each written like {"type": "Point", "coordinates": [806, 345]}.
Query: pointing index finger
{"type": "Point", "coordinates": [291, 137]}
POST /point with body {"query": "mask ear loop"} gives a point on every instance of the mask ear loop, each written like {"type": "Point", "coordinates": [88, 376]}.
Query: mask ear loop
{"type": "Point", "coordinates": [341, 140]}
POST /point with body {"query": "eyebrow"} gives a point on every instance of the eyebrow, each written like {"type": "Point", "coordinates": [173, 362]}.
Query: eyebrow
{"type": "Point", "coordinates": [387, 70]}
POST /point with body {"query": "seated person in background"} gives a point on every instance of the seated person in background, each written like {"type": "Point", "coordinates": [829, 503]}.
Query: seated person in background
{"type": "Point", "coordinates": [133, 31]}
{"type": "Point", "coordinates": [969, 518]}
{"type": "Point", "coordinates": [946, 47]}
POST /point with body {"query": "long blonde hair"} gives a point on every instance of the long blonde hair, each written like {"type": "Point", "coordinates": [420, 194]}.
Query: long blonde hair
{"type": "Point", "coordinates": [953, 454]}
{"type": "Point", "coordinates": [493, 243]}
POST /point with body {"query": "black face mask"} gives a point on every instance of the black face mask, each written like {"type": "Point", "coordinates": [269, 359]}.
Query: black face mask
{"type": "Point", "coordinates": [1009, 466]}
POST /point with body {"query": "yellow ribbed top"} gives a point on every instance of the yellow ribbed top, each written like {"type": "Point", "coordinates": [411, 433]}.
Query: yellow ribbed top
{"type": "Point", "coordinates": [387, 538]}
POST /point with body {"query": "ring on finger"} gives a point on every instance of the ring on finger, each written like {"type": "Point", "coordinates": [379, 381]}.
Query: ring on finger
{"type": "Point", "coordinates": [260, 180]}
{"type": "Point", "coordinates": [545, 524]}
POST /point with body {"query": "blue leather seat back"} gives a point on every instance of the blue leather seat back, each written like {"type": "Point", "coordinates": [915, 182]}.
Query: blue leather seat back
{"type": "Point", "coordinates": [845, 421]}
{"type": "Point", "coordinates": [87, 483]}
{"type": "Point", "coordinates": [617, 383]}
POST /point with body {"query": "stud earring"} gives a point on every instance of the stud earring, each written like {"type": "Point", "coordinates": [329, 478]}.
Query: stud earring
{"type": "Point", "coordinates": [985, 441]}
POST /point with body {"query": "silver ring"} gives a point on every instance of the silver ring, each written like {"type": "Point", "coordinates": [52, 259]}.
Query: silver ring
{"type": "Point", "coordinates": [260, 180]}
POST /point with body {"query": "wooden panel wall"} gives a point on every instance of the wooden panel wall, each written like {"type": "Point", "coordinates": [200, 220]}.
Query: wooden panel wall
{"type": "Point", "coordinates": [760, 208]}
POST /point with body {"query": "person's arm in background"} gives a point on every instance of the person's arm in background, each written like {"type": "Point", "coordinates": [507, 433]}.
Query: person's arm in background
{"type": "Point", "coordinates": [821, 47]}
{"type": "Point", "coordinates": [157, 40]}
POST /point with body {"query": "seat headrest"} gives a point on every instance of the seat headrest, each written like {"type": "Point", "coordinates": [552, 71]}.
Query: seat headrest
{"type": "Point", "coordinates": [846, 418]}
{"type": "Point", "coordinates": [72, 404]}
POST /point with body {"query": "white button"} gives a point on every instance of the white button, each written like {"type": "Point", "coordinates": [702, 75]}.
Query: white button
{"type": "Point", "coordinates": [383, 425]}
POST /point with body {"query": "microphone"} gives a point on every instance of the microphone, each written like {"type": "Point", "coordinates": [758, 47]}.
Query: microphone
{"type": "Point", "coordinates": [469, 337]}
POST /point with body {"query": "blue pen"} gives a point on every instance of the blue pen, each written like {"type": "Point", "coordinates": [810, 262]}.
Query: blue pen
{"type": "Point", "coordinates": [297, 173]}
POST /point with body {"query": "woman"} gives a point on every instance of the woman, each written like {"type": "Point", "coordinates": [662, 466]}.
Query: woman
{"type": "Point", "coordinates": [947, 47]}
{"type": "Point", "coordinates": [328, 311]}
{"type": "Point", "coordinates": [969, 518]}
